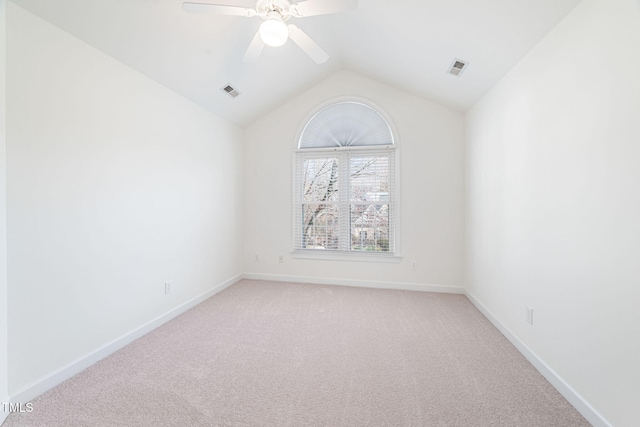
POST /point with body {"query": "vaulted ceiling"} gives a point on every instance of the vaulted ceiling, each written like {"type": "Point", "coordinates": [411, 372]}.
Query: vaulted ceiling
{"type": "Point", "coordinates": [407, 44]}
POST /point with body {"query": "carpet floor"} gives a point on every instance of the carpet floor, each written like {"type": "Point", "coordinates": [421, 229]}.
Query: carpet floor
{"type": "Point", "coordinates": [289, 354]}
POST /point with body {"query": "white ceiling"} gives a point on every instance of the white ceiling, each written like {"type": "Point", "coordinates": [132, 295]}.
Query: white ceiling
{"type": "Point", "coordinates": [408, 44]}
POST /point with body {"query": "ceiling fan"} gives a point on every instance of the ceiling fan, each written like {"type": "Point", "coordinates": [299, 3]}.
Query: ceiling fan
{"type": "Point", "coordinates": [274, 31]}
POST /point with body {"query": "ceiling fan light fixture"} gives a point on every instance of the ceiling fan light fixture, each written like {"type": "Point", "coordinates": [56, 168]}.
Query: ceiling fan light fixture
{"type": "Point", "coordinates": [274, 32]}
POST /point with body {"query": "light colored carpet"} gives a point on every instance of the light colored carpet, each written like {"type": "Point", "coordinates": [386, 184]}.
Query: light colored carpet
{"type": "Point", "coordinates": [287, 354]}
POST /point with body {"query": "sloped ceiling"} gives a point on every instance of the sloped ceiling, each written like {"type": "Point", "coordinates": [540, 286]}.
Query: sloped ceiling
{"type": "Point", "coordinates": [408, 44]}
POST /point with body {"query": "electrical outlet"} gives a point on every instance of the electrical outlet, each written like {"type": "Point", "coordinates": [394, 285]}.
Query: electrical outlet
{"type": "Point", "coordinates": [530, 316]}
{"type": "Point", "coordinates": [256, 258]}
{"type": "Point", "coordinates": [280, 258]}
{"type": "Point", "coordinates": [413, 265]}
{"type": "Point", "coordinates": [167, 287]}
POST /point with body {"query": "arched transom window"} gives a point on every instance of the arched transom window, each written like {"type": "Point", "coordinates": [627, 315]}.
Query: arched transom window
{"type": "Point", "coordinates": [345, 182]}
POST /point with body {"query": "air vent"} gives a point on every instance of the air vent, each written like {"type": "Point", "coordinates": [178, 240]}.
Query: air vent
{"type": "Point", "coordinates": [457, 67]}
{"type": "Point", "coordinates": [229, 90]}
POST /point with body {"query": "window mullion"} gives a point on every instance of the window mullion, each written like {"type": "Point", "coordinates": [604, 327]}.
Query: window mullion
{"type": "Point", "coordinates": [344, 195]}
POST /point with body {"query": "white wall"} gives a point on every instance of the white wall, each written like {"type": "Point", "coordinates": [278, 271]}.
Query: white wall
{"type": "Point", "coordinates": [431, 178]}
{"type": "Point", "coordinates": [553, 204]}
{"type": "Point", "coordinates": [114, 185]}
{"type": "Point", "coordinates": [4, 393]}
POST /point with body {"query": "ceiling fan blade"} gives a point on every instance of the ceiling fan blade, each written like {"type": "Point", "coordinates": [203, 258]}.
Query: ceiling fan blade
{"type": "Point", "coordinates": [255, 49]}
{"type": "Point", "coordinates": [322, 7]}
{"type": "Point", "coordinates": [221, 9]}
{"type": "Point", "coordinates": [305, 43]}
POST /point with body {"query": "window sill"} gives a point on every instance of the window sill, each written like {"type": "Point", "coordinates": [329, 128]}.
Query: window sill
{"type": "Point", "coordinates": [346, 256]}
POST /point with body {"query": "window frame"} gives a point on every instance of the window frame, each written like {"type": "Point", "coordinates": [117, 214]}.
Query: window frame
{"type": "Point", "coordinates": [345, 253]}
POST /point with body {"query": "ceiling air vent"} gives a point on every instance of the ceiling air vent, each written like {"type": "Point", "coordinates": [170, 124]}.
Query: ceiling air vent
{"type": "Point", "coordinates": [229, 90]}
{"type": "Point", "coordinates": [457, 67]}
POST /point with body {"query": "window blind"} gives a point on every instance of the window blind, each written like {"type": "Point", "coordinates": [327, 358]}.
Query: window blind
{"type": "Point", "coordinates": [346, 124]}
{"type": "Point", "coordinates": [345, 201]}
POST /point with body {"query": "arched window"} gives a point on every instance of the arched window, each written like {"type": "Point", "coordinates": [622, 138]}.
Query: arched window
{"type": "Point", "coordinates": [345, 182]}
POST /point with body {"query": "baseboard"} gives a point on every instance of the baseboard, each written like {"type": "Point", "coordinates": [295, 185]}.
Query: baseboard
{"type": "Point", "coordinates": [49, 381]}
{"type": "Point", "coordinates": [357, 283]}
{"type": "Point", "coordinates": [572, 396]}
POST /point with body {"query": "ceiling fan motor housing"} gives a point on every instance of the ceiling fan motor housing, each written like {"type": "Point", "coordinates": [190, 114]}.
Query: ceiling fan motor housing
{"type": "Point", "coordinates": [267, 8]}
